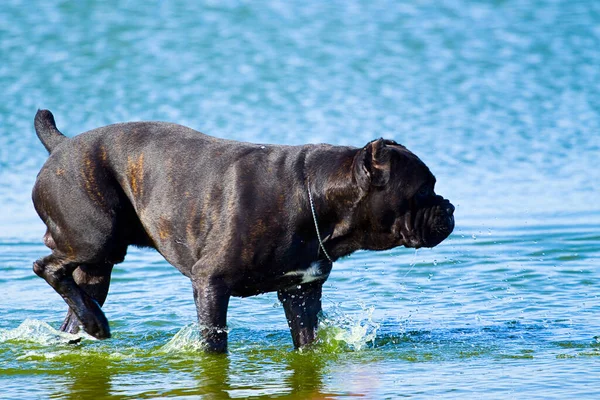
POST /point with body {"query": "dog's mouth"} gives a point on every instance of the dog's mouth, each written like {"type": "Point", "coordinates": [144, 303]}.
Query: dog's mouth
{"type": "Point", "coordinates": [428, 227]}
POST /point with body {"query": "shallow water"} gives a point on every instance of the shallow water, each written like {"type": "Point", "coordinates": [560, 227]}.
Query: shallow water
{"type": "Point", "coordinates": [500, 99]}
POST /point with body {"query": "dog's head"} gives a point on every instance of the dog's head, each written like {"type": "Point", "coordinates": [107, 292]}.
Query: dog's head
{"type": "Point", "coordinates": [400, 206]}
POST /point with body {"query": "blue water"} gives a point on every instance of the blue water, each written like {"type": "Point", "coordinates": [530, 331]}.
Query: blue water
{"type": "Point", "coordinates": [501, 99]}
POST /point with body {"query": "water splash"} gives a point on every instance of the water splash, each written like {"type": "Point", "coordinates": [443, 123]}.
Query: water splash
{"type": "Point", "coordinates": [39, 332]}
{"type": "Point", "coordinates": [187, 340]}
{"type": "Point", "coordinates": [341, 331]}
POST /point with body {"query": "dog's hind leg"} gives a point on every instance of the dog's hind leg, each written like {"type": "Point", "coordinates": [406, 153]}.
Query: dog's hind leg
{"type": "Point", "coordinates": [90, 223]}
{"type": "Point", "coordinates": [58, 272]}
{"type": "Point", "coordinates": [95, 281]}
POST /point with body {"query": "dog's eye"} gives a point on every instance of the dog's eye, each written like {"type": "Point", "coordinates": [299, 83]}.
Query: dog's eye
{"type": "Point", "coordinates": [424, 191]}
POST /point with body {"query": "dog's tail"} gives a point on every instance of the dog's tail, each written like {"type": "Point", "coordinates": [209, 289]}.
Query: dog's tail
{"type": "Point", "coordinates": [46, 130]}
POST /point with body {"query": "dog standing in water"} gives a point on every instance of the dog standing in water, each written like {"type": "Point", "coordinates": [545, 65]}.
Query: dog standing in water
{"type": "Point", "coordinates": [236, 218]}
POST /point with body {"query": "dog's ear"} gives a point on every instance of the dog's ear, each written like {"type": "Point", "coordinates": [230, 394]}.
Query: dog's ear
{"type": "Point", "coordinates": [373, 164]}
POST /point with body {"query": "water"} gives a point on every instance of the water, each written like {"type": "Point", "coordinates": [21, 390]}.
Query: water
{"type": "Point", "coordinates": [500, 99]}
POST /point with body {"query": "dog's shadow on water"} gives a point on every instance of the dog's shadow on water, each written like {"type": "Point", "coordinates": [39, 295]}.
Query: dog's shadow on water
{"type": "Point", "coordinates": [250, 372]}
{"type": "Point", "coordinates": [87, 383]}
{"type": "Point", "coordinates": [262, 372]}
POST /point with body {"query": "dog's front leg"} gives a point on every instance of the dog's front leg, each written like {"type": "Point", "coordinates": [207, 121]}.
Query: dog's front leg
{"type": "Point", "coordinates": [302, 305]}
{"type": "Point", "coordinates": [212, 298]}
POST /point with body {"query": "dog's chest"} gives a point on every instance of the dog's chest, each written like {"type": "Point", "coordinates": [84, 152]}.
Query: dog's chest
{"type": "Point", "coordinates": [317, 271]}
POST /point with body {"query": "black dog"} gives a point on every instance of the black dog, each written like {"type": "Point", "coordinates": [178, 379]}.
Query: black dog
{"type": "Point", "coordinates": [236, 218]}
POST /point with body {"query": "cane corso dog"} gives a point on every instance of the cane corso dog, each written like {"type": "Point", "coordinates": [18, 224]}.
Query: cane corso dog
{"type": "Point", "coordinates": [236, 218]}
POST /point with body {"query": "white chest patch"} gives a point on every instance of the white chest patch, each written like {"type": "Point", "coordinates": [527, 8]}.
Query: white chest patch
{"type": "Point", "coordinates": [312, 273]}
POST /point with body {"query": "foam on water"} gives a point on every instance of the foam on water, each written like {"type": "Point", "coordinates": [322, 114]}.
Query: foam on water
{"type": "Point", "coordinates": [342, 331]}
{"type": "Point", "coordinates": [187, 340]}
{"type": "Point", "coordinates": [41, 333]}
{"type": "Point", "coordinates": [338, 331]}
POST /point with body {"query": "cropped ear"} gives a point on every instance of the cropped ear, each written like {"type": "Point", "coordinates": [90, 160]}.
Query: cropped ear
{"type": "Point", "coordinates": [372, 166]}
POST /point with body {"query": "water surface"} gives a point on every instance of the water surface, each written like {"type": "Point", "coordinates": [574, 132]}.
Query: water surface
{"type": "Point", "coordinates": [499, 98]}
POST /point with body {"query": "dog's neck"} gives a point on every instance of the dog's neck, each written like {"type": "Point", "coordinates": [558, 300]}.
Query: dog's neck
{"type": "Point", "coordinates": [335, 197]}
{"type": "Point", "coordinates": [314, 215]}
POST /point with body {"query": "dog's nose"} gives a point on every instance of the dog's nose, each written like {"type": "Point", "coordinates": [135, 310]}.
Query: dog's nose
{"type": "Point", "coordinates": [450, 209]}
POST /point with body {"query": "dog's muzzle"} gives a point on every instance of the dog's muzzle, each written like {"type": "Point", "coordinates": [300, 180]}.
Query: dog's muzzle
{"type": "Point", "coordinates": [431, 225]}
